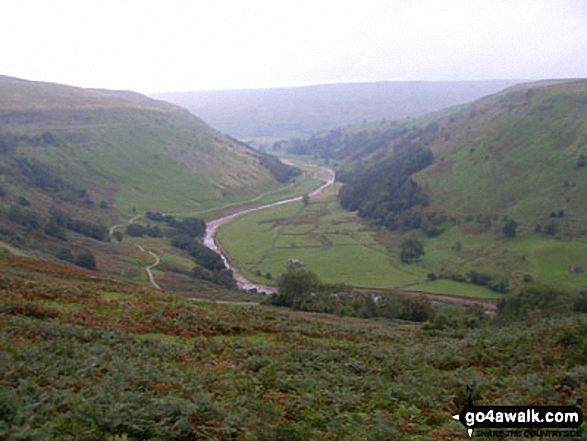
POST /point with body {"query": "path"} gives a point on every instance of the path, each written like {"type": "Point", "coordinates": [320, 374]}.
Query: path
{"type": "Point", "coordinates": [142, 250]}
{"type": "Point", "coordinates": [150, 267]}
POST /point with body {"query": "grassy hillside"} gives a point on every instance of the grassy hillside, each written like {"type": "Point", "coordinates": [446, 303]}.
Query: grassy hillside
{"type": "Point", "coordinates": [268, 115]}
{"type": "Point", "coordinates": [87, 357]}
{"type": "Point", "coordinates": [517, 153]}
{"type": "Point", "coordinates": [521, 152]}
{"type": "Point", "coordinates": [123, 148]}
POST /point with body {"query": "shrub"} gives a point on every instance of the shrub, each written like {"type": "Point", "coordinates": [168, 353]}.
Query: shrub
{"type": "Point", "coordinates": [54, 230]}
{"type": "Point", "coordinates": [136, 230]}
{"type": "Point", "coordinates": [411, 250]}
{"type": "Point", "coordinates": [551, 228]}
{"type": "Point", "coordinates": [23, 202]}
{"type": "Point", "coordinates": [66, 255]}
{"type": "Point", "coordinates": [501, 284]}
{"type": "Point", "coordinates": [509, 229]}
{"type": "Point", "coordinates": [86, 260]}
{"type": "Point", "coordinates": [415, 308]}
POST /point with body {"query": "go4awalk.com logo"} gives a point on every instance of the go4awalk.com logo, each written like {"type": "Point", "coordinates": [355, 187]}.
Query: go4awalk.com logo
{"type": "Point", "coordinates": [527, 421]}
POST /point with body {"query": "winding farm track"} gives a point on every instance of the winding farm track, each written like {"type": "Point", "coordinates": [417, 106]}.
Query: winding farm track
{"type": "Point", "coordinates": [150, 267]}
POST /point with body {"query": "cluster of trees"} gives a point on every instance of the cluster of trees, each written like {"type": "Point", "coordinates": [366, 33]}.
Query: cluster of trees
{"type": "Point", "coordinates": [282, 173]}
{"type": "Point", "coordinates": [340, 144]}
{"type": "Point", "coordinates": [59, 220]}
{"type": "Point", "coordinates": [138, 230]}
{"type": "Point", "coordinates": [9, 141]}
{"type": "Point", "coordinates": [384, 192]}
{"type": "Point", "coordinates": [191, 226]}
{"type": "Point", "coordinates": [56, 224]}
{"type": "Point", "coordinates": [535, 300]}
{"type": "Point", "coordinates": [301, 289]}
{"type": "Point", "coordinates": [185, 235]}
{"type": "Point", "coordinates": [21, 216]}
{"type": "Point", "coordinates": [551, 228]}
{"type": "Point", "coordinates": [210, 265]}
{"type": "Point", "coordinates": [494, 283]}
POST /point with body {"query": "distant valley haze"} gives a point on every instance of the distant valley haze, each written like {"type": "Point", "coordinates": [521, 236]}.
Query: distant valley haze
{"type": "Point", "coordinates": [262, 116]}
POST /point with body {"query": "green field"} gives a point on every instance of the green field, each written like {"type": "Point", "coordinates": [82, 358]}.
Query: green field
{"type": "Point", "coordinates": [339, 247]}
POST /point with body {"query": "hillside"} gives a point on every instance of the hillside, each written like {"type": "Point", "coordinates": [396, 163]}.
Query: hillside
{"type": "Point", "coordinates": [86, 357]}
{"type": "Point", "coordinates": [520, 152]}
{"type": "Point", "coordinates": [77, 165]}
{"type": "Point", "coordinates": [267, 115]}
{"type": "Point", "coordinates": [124, 148]}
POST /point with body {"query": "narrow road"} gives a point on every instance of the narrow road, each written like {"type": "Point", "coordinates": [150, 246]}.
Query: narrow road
{"type": "Point", "coordinates": [213, 225]}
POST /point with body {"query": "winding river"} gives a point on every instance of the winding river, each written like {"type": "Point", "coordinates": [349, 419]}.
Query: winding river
{"type": "Point", "coordinates": [213, 225]}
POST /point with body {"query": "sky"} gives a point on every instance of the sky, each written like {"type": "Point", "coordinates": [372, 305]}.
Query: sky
{"type": "Point", "coordinates": [152, 46]}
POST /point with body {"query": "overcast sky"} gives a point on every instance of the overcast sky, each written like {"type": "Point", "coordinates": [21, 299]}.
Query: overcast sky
{"type": "Point", "coordinates": [154, 46]}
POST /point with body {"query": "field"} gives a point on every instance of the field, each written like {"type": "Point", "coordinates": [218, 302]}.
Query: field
{"type": "Point", "coordinates": [339, 247]}
{"type": "Point", "coordinates": [86, 357]}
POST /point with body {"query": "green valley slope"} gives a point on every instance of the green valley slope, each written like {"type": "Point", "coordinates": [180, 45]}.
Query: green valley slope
{"type": "Point", "coordinates": [521, 152]}
{"type": "Point", "coordinates": [123, 148]}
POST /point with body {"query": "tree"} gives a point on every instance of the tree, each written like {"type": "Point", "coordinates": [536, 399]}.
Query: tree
{"type": "Point", "coordinates": [411, 250]}
{"type": "Point", "coordinates": [225, 279]}
{"type": "Point", "coordinates": [295, 285]}
{"type": "Point", "coordinates": [509, 229]}
{"type": "Point", "coordinates": [55, 230]}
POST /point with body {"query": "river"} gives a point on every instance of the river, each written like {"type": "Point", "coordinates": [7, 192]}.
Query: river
{"type": "Point", "coordinates": [213, 225]}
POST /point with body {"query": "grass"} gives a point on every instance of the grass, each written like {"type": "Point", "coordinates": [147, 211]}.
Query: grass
{"type": "Point", "coordinates": [328, 240]}
{"type": "Point", "coordinates": [456, 289]}
{"type": "Point", "coordinates": [511, 154]}
{"type": "Point", "coordinates": [130, 151]}
{"type": "Point", "coordinates": [339, 247]}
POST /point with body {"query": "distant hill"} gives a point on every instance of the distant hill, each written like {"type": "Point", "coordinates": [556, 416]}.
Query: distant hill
{"type": "Point", "coordinates": [271, 114]}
